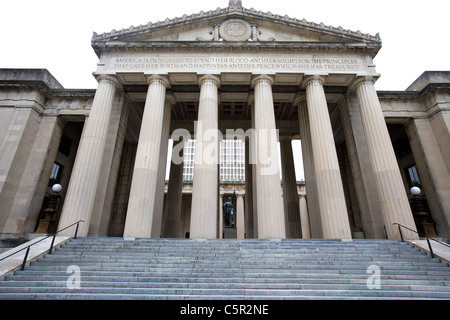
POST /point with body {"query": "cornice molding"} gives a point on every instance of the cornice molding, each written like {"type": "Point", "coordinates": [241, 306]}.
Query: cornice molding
{"type": "Point", "coordinates": [244, 46]}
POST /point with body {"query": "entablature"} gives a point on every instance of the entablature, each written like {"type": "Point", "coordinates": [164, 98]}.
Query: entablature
{"type": "Point", "coordinates": [260, 46]}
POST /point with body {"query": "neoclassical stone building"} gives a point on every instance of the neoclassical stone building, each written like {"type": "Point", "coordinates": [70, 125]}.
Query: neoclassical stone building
{"type": "Point", "coordinates": [231, 73]}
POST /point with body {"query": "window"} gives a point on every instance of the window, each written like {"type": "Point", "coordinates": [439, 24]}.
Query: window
{"type": "Point", "coordinates": [55, 176]}
{"type": "Point", "coordinates": [412, 176]}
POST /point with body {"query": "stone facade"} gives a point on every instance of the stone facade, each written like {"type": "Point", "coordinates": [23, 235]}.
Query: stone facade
{"type": "Point", "coordinates": [265, 79]}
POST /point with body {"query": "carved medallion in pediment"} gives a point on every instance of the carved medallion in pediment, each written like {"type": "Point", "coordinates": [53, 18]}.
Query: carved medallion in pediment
{"type": "Point", "coordinates": [235, 30]}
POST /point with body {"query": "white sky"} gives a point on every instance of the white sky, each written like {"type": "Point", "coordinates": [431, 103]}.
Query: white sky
{"type": "Point", "coordinates": [56, 35]}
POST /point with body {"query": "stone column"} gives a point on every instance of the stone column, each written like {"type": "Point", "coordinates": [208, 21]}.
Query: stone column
{"type": "Point", "coordinates": [308, 164]}
{"type": "Point", "coordinates": [239, 215]}
{"type": "Point", "coordinates": [290, 193]}
{"type": "Point", "coordinates": [174, 198]}
{"type": "Point", "coordinates": [221, 222]}
{"type": "Point", "coordinates": [82, 188]}
{"type": "Point", "coordinates": [304, 218]}
{"type": "Point", "coordinates": [252, 160]}
{"type": "Point", "coordinates": [104, 198]}
{"type": "Point", "coordinates": [205, 190]}
{"type": "Point", "coordinates": [159, 201]}
{"type": "Point", "coordinates": [366, 192]}
{"type": "Point", "coordinates": [394, 201]}
{"type": "Point", "coordinates": [248, 193]}
{"type": "Point", "coordinates": [267, 174]}
{"type": "Point", "coordinates": [331, 199]}
{"type": "Point", "coordinates": [144, 186]}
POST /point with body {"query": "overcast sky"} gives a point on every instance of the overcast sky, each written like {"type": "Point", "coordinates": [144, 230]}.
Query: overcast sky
{"type": "Point", "coordinates": [56, 35]}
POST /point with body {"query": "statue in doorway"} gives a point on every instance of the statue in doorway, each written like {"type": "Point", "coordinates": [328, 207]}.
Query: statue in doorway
{"type": "Point", "coordinates": [228, 216]}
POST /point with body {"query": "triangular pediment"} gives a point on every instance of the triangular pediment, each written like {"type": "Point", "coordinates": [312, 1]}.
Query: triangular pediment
{"type": "Point", "coordinates": [236, 25]}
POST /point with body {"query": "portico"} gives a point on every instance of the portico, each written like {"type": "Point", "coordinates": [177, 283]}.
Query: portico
{"type": "Point", "coordinates": [237, 73]}
{"type": "Point", "coordinates": [283, 89]}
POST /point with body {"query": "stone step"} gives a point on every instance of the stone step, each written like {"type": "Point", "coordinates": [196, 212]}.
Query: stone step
{"type": "Point", "coordinates": [111, 272]}
{"type": "Point", "coordinates": [237, 245]}
{"type": "Point", "coordinates": [244, 275]}
{"type": "Point", "coordinates": [244, 292]}
{"type": "Point", "coordinates": [231, 252]}
{"type": "Point", "coordinates": [242, 257]}
{"type": "Point", "coordinates": [269, 262]}
{"type": "Point", "coordinates": [146, 252]}
{"type": "Point", "coordinates": [428, 286]}
{"type": "Point", "coordinates": [417, 270]}
{"type": "Point", "coordinates": [29, 280]}
{"type": "Point", "coordinates": [193, 297]}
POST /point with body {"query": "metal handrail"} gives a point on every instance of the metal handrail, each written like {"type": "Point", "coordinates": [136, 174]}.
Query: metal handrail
{"type": "Point", "coordinates": [51, 246]}
{"type": "Point", "coordinates": [422, 235]}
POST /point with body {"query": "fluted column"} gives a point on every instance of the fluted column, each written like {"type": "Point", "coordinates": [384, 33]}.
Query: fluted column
{"type": "Point", "coordinates": [267, 172]}
{"type": "Point", "coordinates": [141, 212]}
{"type": "Point", "coordinates": [394, 202]}
{"type": "Point", "coordinates": [252, 160]}
{"type": "Point", "coordinates": [308, 164]}
{"type": "Point", "coordinates": [220, 216]}
{"type": "Point", "coordinates": [240, 216]}
{"type": "Point", "coordinates": [290, 193]}
{"type": "Point", "coordinates": [304, 218]}
{"type": "Point", "coordinates": [159, 201]}
{"type": "Point", "coordinates": [174, 198]}
{"type": "Point", "coordinates": [331, 199]}
{"type": "Point", "coordinates": [248, 192]}
{"type": "Point", "coordinates": [82, 188]}
{"type": "Point", "coordinates": [205, 192]}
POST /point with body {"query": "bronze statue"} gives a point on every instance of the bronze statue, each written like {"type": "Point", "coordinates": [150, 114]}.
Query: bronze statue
{"type": "Point", "coordinates": [228, 215]}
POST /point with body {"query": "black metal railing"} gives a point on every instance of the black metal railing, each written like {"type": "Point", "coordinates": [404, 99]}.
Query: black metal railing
{"type": "Point", "coordinates": [27, 248]}
{"type": "Point", "coordinates": [420, 235]}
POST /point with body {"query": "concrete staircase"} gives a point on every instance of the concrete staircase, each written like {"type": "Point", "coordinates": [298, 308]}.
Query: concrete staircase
{"type": "Point", "coordinates": [117, 268]}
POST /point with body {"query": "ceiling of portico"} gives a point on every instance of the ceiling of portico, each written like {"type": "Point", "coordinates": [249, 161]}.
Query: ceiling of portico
{"type": "Point", "coordinates": [235, 103]}
{"type": "Point", "coordinates": [235, 94]}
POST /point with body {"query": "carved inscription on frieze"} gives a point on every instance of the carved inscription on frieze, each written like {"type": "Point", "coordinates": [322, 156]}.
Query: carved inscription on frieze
{"type": "Point", "coordinates": [235, 63]}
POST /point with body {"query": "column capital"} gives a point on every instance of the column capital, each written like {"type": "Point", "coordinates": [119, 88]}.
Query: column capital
{"type": "Point", "coordinates": [171, 99]}
{"type": "Point", "coordinates": [359, 80]}
{"type": "Point", "coordinates": [262, 77]}
{"type": "Point", "coordinates": [299, 97]}
{"type": "Point", "coordinates": [209, 77]}
{"type": "Point", "coordinates": [111, 78]}
{"type": "Point", "coordinates": [158, 78]}
{"type": "Point", "coordinates": [320, 78]}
